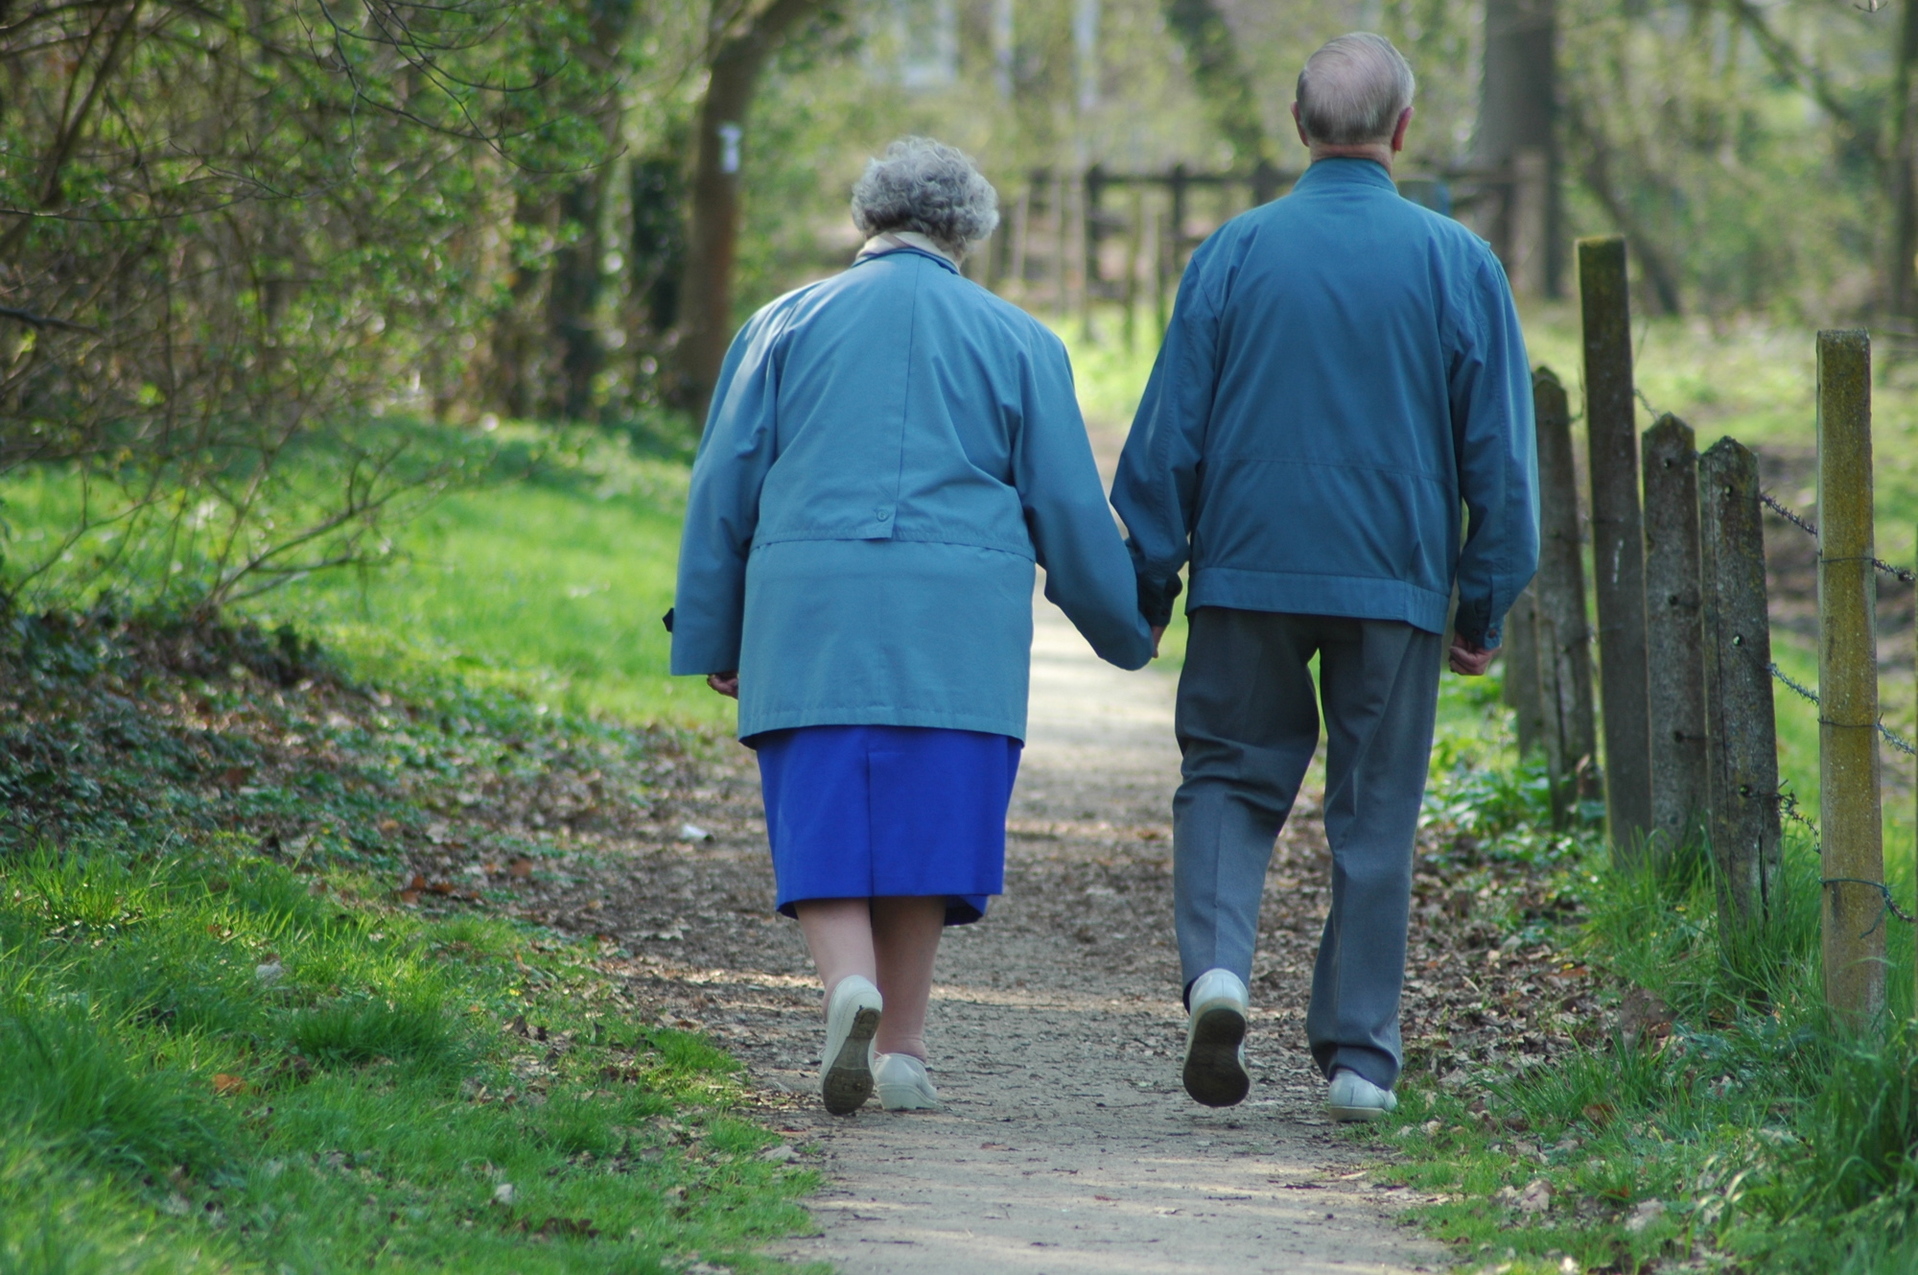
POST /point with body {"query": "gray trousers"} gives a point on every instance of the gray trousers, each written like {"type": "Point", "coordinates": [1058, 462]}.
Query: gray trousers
{"type": "Point", "coordinates": [1248, 724]}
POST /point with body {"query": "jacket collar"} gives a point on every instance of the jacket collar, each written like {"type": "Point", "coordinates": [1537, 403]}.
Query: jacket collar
{"type": "Point", "coordinates": [892, 241]}
{"type": "Point", "coordinates": [1345, 171]}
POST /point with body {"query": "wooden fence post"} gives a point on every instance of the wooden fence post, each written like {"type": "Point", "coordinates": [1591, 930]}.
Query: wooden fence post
{"type": "Point", "coordinates": [1618, 550]}
{"type": "Point", "coordinates": [1674, 636]}
{"type": "Point", "coordinates": [1743, 747]}
{"type": "Point", "coordinates": [1565, 635]}
{"type": "Point", "coordinates": [1521, 690]}
{"type": "Point", "coordinates": [1851, 831]}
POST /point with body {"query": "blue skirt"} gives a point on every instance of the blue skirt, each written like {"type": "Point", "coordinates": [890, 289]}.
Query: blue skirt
{"type": "Point", "coordinates": [861, 812]}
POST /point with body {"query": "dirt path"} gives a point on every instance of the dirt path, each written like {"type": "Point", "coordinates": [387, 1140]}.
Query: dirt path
{"type": "Point", "coordinates": [1066, 1143]}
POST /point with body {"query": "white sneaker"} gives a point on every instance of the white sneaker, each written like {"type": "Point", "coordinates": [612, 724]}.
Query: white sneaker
{"type": "Point", "coordinates": [852, 1016]}
{"type": "Point", "coordinates": [902, 1084]}
{"type": "Point", "coordinates": [1354, 1098]}
{"type": "Point", "coordinates": [1215, 1040]}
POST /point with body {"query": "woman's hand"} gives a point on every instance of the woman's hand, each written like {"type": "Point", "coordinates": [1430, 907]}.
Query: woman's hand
{"type": "Point", "coordinates": [726, 684]}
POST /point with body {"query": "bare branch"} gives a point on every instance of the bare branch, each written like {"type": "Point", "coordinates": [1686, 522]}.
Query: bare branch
{"type": "Point", "coordinates": [46, 321]}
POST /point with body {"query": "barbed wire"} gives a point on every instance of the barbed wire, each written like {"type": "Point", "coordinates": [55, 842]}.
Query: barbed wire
{"type": "Point", "coordinates": [1896, 740]}
{"type": "Point", "coordinates": [1772, 503]}
{"type": "Point", "coordinates": [1798, 520]}
{"type": "Point", "coordinates": [1888, 905]}
{"type": "Point", "coordinates": [1788, 680]}
{"type": "Point", "coordinates": [1787, 803]}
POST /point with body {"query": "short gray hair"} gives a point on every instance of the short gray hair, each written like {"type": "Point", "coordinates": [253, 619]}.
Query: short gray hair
{"type": "Point", "coordinates": [1353, 90]}
{"type": "Point", "coordinates": [929, 187]}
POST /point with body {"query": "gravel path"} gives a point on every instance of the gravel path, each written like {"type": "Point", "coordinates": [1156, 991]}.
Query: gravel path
{"type": "Point", "coordinates": [1066, 1143]}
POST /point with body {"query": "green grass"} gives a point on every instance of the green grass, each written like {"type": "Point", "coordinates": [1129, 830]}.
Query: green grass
{"type": "Point", "coordinates": [215, 1063]}
{"type": "Point", "coordinates": [553, 587]}
{"type": "Point", "coordinates": [1754, 1132]}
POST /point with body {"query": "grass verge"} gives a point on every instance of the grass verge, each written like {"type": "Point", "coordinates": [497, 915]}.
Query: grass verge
{"type": "Point", "coordinates": [216, 1063]}
{"type": "Point", "coordinates": [233, 1044]}
{"type": "Point", "coordinates": [1709, 1117]}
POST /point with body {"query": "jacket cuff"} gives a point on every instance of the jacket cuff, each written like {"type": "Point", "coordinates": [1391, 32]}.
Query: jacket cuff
{"type": "Point", "coordinates": [1473, 624]}
{"type": "Point", "coordinates": [1155, 600]}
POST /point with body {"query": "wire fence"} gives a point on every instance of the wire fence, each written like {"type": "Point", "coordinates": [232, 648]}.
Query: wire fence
{"type": "Point", "coordinates": [1804, 524]}
{"type": "Point", "coordinates": [1786, 800]}
{"type": "Point", "coordinates": [1798, 520]}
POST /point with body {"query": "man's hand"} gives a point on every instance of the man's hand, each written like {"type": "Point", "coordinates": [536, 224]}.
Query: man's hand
{"type": "Point", "coordinates": [1158, 631]}
{"type": "Point", "coordinates": [726, 684]}
{"type": "Point", "coordinates": [1469, 659]}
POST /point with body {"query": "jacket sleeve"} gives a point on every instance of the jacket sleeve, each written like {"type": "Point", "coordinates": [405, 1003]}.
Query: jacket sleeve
{"type": "Point", "coordinates": [1497, 448]}
{"type": "Point", "coordinates": [1156, 490]}
{"type": "Point", "coordinates": [722, 507]}
{"type": "Point", "coordinates": [1073, 534]}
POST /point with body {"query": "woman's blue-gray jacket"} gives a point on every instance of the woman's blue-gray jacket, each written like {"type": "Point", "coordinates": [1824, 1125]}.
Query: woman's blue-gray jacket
{"type": "Point", "coordinates": [889, 452]}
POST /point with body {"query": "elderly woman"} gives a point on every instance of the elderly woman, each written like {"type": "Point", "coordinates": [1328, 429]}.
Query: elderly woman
{"type": "Point", "coordinates": [889, 453]}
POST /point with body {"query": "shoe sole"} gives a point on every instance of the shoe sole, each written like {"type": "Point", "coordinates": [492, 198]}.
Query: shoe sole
{"type": "Point", "coordinates": [848, 1079]}
{"type": "Point", "coordinates": [1213, 1073]}
{"type": "Point", "coordinates": [907, 1100]}
{"type": "Point", "coordinates": [1357, 1115]}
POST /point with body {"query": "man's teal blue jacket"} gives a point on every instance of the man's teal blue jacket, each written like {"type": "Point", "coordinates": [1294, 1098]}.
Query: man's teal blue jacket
{"type": "Point", "coordinates": [1344, 370]}
{"type": "Point", "coordinates": [889, 452]}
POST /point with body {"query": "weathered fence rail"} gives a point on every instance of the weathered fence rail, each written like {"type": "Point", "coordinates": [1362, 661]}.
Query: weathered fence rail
{"type": "Point", "coordinates": [1101, 236]}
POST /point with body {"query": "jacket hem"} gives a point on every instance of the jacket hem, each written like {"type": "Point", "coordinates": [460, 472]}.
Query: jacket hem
{"type": "Point", "coordinates": [758, 722]}
{"type": "Point", "coordinates": [1357, 597]}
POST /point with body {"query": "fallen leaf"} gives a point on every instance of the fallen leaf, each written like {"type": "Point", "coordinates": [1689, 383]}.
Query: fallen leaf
{"type": "Point", "coordinates": [226, 1084]}
{"type": "Point", "coordinates": [1647, 1212]}
{"type": "Point", "coordinates": [582, 1227]}
{"type": "Point", "coordinates": [1536, 1198]}
{"type": "Point", "coordinates": [780, 1154]}
{"type": "Point", "coordinates": [1642, 1016]}
{"type": "Point", "coordinates": [521, 868]}
{"type": "Point", "coordinates": [503, 1193]}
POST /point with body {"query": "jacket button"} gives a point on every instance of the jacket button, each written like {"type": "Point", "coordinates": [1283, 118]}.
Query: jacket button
{"type": "Point", "coordinates": [883, 512]}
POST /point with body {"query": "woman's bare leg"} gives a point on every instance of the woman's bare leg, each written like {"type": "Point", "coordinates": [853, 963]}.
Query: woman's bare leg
{"type": "Point", "coordinates": [905, 939]}
{"type": "Point", "coordinates": [839, 933]}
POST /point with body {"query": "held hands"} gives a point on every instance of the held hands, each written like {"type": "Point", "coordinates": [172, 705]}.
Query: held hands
{"type": "Point", "coordinates": [726, 684]}
{"type": "Point", "coordinates": [1469, 660]}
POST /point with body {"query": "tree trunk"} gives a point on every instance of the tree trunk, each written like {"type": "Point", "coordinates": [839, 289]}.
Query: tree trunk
{"type": "Point", "coordinates": [578, 277]}
{"type": "Point", "coordinates": [1518, 135]}
{"type": "Point", "coordinates": [1220, 77]}
{"type": "Point", "coordinates": [1902, 292]}
{"type": "Point", "coordinates": [712, 231]}
{"type": "Point", "coordinates": [572, 300]}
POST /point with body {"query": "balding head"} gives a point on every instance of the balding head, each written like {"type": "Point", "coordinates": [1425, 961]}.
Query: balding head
{"type": "Point", "coordinates": [1353, 90]}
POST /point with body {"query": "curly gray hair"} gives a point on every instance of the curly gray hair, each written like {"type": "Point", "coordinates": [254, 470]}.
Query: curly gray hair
{"type": "Point", "coordinates": [929, 187]}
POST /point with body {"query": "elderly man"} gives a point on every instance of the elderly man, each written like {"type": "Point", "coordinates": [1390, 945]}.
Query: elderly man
{"type": "Point", "coordinates": [1344, 370]}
